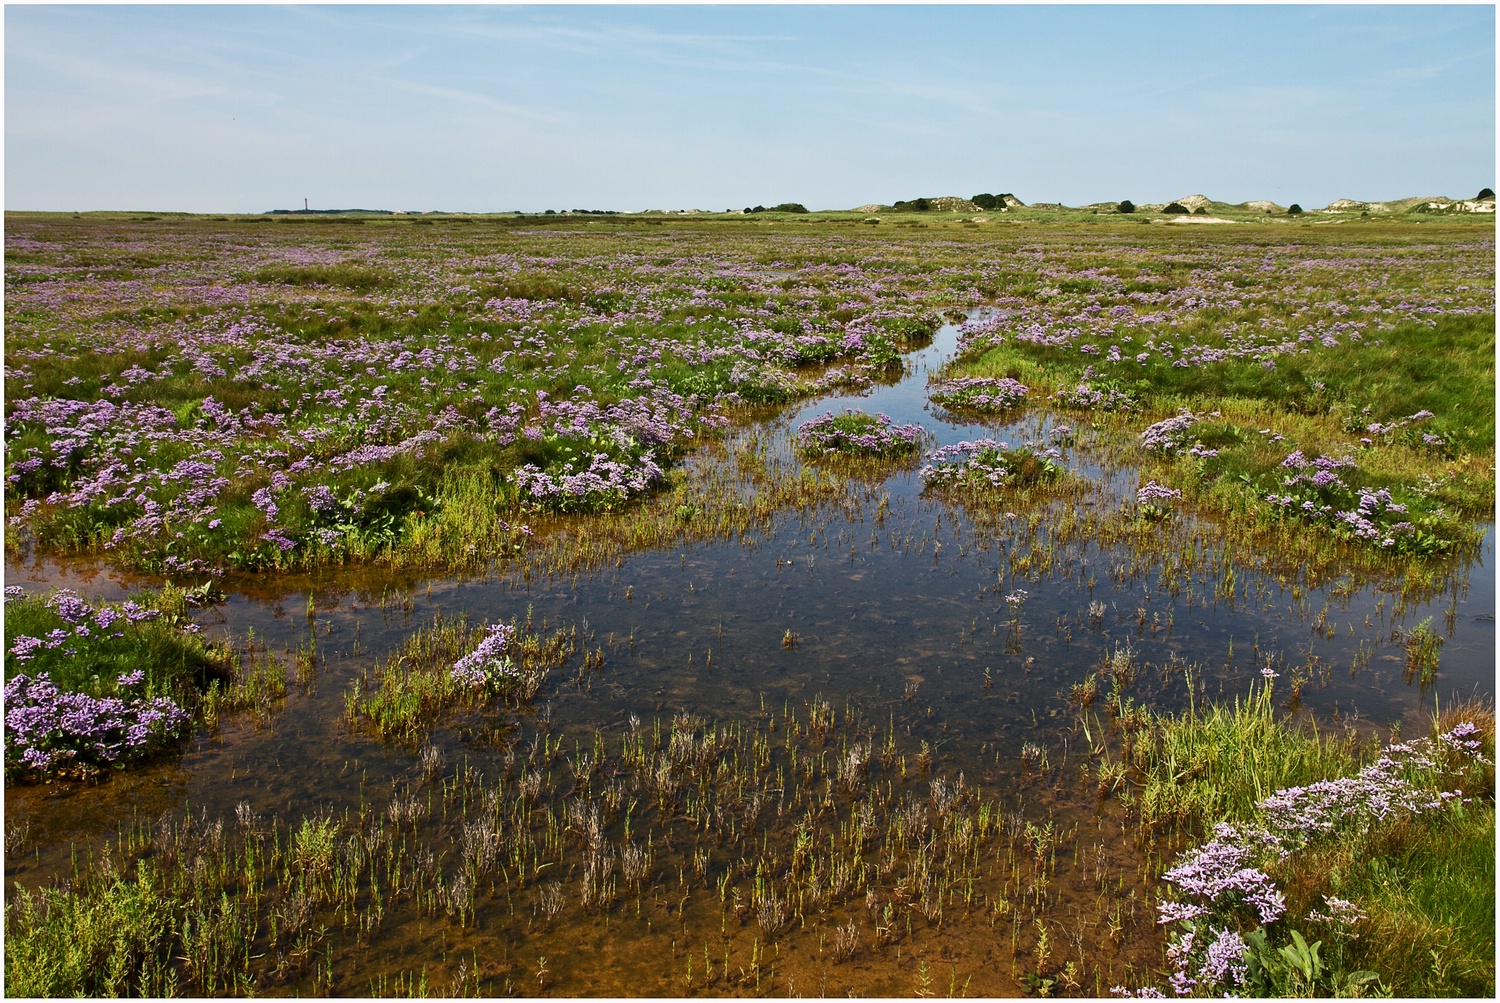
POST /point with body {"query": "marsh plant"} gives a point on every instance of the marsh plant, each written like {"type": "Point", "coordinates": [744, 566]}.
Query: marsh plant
{"type": "Point", "coordinates": [987, 464]}
{"type": "Point", "coordinates": [981, 394]}
{"type": "Point", "coordinates": [1293, 891]}
{"type": "Point", "coordinates": [789, 831]}
{"type": "Point", "coordinates": [857, 434]}
{"type": "Point", "coordinates": [448, 665]}
{"type": "Point", "coordinates": [95, 685]}
{"type": "Point", "coordinates": [411, 380]}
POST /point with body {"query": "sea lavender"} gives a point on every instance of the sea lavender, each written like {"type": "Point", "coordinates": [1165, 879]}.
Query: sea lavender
{"type": "Point", "coordinates": [488, 664]}
{"type": "Point", "coordinates": [1223, 879]}
{"type": "Point", "coordinates": [855, 433]}
{"type": "Point", "coordinates": [47, 729]}
{"type": "Point", "coordinates": [980, 394]}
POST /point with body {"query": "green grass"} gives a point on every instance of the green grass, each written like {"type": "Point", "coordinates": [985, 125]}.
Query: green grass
{"type": "Point", "coordinates": [176, 662]}
{"type": "Point", "coordinates": [1215, 763]}
{"type": "Point", "coordinates": [116, 942]}
{"type": "Point", "coordinates": [1425, 881]}
{"type": "Point", "coordinates": [409, 692]}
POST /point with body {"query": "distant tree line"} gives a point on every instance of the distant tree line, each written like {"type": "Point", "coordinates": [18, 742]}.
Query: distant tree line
{"type": "Point", "coordinates": [783, 207]}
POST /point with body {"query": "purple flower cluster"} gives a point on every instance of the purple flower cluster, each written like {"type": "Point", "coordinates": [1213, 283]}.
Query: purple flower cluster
{"type": "Point", "coordinates": [68, 607]}
{"type": "Point", "coordinates": [1341, 912]}
{"type": "Point", "coordinates": [1385, 429]}
{"type": "Point", "coordinates": [855, 433]}
{"type": "Point", "coordinates": [983, 463]}
{"type": "Point", "coordinates": [1317, 491]}
{"type": "Point", "coordinates": [1380, 791]}
{"type": "Point", "coordinates": [981, 394]}
{"type": "Point", "coordinates": [1153, 492]}
{"type": "Point", "coordinates": [571, 486]}
{"type": "Point", "coordinates": [1222, 873]}
{"type": "Point", "coordinates": [1171, 435]}
{"type": "Point", "coordinates": [487, 664]}
{"type": "Point", "coordinates": [1086, 397]}
{"type": "Point", "coordinates": [1223, 882]}
{"type": "Point", "coordinates": [48, 729]}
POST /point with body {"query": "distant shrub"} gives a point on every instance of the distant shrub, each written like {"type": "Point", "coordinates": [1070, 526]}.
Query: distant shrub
{"type": "Point", "coordinates": [1484, 193]}
{"type": "Point", "coordinates": [1176, 209]}
{"type": "Point", "coordinates": [915, 205]}
{"type": "Point", "coordinates": [1202, 210]}
{"type": "Point", "coordinates": [1126, 206]}
{"type": "Point", "coordinates": [783, 207]}
{"type": "Point", "coordinates": [1294, 210]}
{"type": "Point", "coordinates": [988, 201]}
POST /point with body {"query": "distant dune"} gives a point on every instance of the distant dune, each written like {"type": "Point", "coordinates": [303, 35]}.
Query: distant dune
{"type": "Point", "coordinates": [1202, 209]}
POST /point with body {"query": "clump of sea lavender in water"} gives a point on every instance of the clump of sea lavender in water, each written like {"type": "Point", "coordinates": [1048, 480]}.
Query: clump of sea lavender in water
{"type": "Point", "coordinates": [986, 463]}
{"type": "Point", "coordinates": [488, 665]}
{"type": "Point", "coordinates": [977, 393]}
{"type": "Point", "coordinates": [855, 433]}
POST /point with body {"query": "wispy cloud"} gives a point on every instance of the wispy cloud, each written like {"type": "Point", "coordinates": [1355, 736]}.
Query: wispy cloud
{"type": "Point", "coordinates": [473, 99]}
{"type": "Point", "coordinates": [141, 84]}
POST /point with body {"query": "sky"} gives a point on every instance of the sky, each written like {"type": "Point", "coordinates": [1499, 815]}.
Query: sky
{"type": "Point", "coordinates": [491, 109]}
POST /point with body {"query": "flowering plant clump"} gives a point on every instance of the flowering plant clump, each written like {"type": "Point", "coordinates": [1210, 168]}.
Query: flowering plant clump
{"type": "Point", "coordinates": [1170, 436]}
{"type": "Point", "coordinates": [855, 433]}
{"type": "Point", "coordinates": [1229, 908]}
{"type": "Point", "coordinates": [586, 479]}
{"type": "Point", "coordinates": [91, 684]}
{"type": "Point", "coordinates": [1155, 499]}
{"type": "Point", "coordinates": [488, 666]}
{"type": "Point", "coordinates": [48, 730]}
{"type": "Point", "coordinates": [975, 393]}
{"type": "Point", "coordinates": [987, 464]}
{"type": "Point", "coordinates": [1153, 492]}
{"type": "Point", "coordinates": [1409, 430]}
{"type": "Point", "coordinates": [1096, 396]}
{"type": "Point", "coordinates": [1325, 490]}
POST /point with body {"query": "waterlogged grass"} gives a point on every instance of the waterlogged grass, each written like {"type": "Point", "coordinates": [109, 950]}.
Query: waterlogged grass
{"type": "Point", "coordinates": [985, 466]}
{"type": "Point", "coordinates": [808, 840]}
{"type": "Point", "coordinates": [858, 435]}
{"type": "Point", "coordinates": [1216, 762]}
{"type": "Point", "coordinates": [419, 684]}
{"type": "Point", "coordinates": [1364, 877]}
{"type": "Point", "coordinates": [733, 491]}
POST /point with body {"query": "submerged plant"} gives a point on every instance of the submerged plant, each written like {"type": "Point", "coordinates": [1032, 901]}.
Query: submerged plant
{"type": "Point", "coordinates": [1422, 645]}
{"type": "Point", "coordinates": [446, 665]}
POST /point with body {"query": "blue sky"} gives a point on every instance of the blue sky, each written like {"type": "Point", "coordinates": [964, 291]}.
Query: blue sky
{"type": "Point", "coordinates": [243, 109]}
